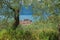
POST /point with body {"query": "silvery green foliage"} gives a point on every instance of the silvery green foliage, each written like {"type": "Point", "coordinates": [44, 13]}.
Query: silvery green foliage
{"type": "Point", "coordinates": [39, 6]}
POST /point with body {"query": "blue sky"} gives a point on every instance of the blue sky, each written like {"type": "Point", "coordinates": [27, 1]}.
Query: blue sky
{"type": "Point", "coordinates": [26, 10]}
{"type": "Point", "coordinates": [26, 13]}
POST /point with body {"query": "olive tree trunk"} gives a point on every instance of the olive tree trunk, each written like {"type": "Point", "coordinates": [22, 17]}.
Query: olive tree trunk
{"type": "Point", "coordinates": [16, 18]}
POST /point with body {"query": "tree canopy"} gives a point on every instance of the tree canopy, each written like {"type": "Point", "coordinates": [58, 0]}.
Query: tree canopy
{"type": "Point", "coordinates": [39, 7]}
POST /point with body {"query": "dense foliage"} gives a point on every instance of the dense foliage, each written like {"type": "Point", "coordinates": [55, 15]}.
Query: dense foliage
{"type": "Point", "coordinates": [35, 31]}
{"type": "Point", "coordinates": [39, 30]}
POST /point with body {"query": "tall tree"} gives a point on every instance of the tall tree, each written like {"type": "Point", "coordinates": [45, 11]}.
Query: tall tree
{"type": "Point", "coordinates": [14, 5]}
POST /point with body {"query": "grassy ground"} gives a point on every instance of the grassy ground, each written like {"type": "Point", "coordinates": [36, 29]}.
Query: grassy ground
{"type": "Point", "coordinates": [35, 31]}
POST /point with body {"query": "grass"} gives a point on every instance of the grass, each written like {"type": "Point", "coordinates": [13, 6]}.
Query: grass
{"type": "Point", "coordinates": [35, 31]}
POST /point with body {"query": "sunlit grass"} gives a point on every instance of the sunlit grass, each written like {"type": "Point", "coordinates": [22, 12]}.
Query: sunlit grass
{"type": "Point", "coordinates": [39, 31]}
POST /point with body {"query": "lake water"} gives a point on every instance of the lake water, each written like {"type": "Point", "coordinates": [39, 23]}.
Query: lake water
{"type": "Point", "coordinates": [30, 17]}
{"type": "Point", "coordinates": [22, 17]}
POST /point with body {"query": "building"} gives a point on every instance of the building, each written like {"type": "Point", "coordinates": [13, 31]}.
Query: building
{"type": "Point", "coordinates": [26, 22]}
